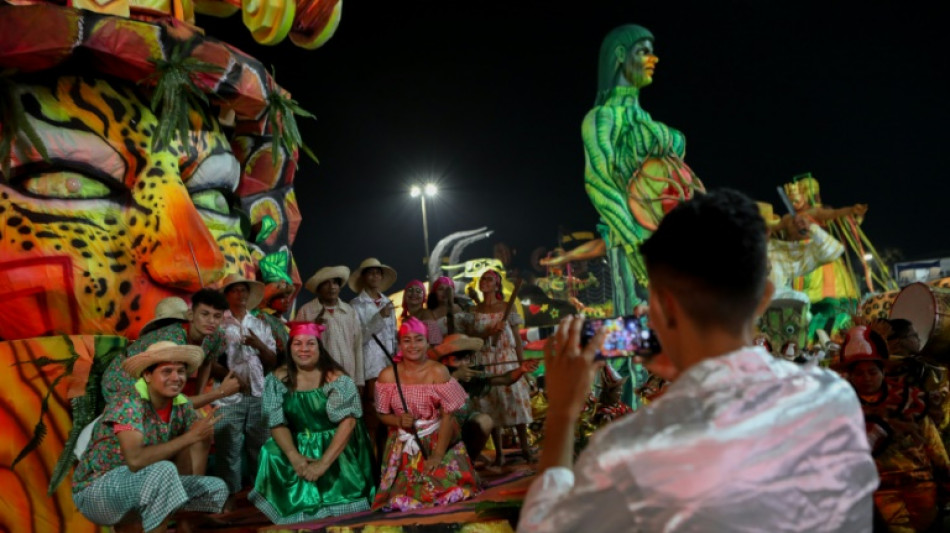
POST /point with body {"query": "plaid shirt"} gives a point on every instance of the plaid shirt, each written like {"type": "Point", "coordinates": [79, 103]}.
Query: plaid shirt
{"type": "Point", "coordinates": [135, 410]}
{"type": "Point", "coordinates": [424, 401]}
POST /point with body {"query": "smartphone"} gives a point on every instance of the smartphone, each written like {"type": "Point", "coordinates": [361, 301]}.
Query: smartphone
{"type": "Point", "coordinates": [626, 336]}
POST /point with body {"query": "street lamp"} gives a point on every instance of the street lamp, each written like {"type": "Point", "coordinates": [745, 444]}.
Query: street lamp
{"type": "Point", "coordinates": [430, 190]}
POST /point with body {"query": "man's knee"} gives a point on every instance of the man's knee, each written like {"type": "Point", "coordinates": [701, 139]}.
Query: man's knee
{"type": "Point", "coordinates": [160, 479]}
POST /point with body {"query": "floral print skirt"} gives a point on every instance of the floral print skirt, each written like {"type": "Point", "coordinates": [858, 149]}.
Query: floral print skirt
{"type": "Point", "coordinates": [406, 486]}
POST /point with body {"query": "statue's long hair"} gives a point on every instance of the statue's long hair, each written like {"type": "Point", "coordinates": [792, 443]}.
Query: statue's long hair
{"type": "Point", "coordinates": [609, 64]}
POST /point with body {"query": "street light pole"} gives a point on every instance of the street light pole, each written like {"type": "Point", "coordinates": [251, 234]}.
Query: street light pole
{"type": "Point", "coordinates": [429, 189]}
{"type": "Point", "coordinates": [425, 228]}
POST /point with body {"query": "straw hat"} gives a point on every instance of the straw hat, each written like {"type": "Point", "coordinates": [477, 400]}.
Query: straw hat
{"type": "Point", "coordinates": [165, 352]}
{"type": "Point", "coordinates": [255, 289]}
{"type": "Point", "coordinates": [457, 342]}
{"type": "Point", "coordinates": [356, 278]}
{"type": "Point", "coordinates": [168, 310]}
{"type": "Point", "coordinates": [326, 273]}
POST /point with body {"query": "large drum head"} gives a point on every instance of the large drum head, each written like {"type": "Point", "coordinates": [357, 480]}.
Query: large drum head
{"type": "Point", "coordinates": [916, 303]}
{"type": "Point", "coordinates": [928, 309]}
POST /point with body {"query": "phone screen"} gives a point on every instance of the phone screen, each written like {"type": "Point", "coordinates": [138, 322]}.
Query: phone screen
{"type": "Point", "coordinates": [626, 337]}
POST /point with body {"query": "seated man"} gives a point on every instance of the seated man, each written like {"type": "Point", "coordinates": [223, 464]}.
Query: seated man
{"type": "Point", "coordinates": [129, 472]}
{"type": "Point", "coordinates": [741, 441]}
{"type": "Point", "coordinates": [175, 322]}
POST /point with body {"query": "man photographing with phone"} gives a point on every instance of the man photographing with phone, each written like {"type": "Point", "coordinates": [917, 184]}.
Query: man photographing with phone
{"type": "Point", "coordinates": [741, 441]}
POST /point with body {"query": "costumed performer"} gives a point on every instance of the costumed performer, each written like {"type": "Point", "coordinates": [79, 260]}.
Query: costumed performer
{"type": "Point", "coordinates": [278, 291]}
{"type": "Point", "coordinates": [424, 463]}
{"type": "Point", "coordinates": [130, 466]}
{"type": "Point", "coordinates": [455, 353]}
{"type": "Point", "coordinates": [441, 303]}
{"type": "Point", "coordinates": [317, 462]}
{"type": "Point", "coordinates": [182, 325]}
{"type": "Point", "coordinates": [413, 305]}
{"type": "Point", "coordinates": [511, 405]}
{"type": "Point", "coordinates": [910, 457]}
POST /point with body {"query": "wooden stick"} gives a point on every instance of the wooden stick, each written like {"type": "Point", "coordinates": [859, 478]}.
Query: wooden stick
{"type": "Point", "coordinates": [511, 301]}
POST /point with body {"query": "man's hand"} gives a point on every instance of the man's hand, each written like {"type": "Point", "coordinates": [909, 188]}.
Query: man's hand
{"type": "Point", "coordinates": [387, 310]}
{"type": "Point", "coordinates": [659, 365]}
{"type": "Point", "coordinates": [529, 366]}
{"type": "Point", "coordinates": [254, 341]}
{"type": "Point", "coordinates": [569, 369]}
{"type": "Point", "coordinates": [229, 385]}
{"type": "Point", "coordinates": [859, 210]}
{"type": "Point", "coordinates": [203, 428]}
{"type": "Point", "coordinates": [465, 372]}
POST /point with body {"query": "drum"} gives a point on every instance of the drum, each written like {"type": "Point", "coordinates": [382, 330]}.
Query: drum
{"type": "Point", "coordinates": [928, 309]}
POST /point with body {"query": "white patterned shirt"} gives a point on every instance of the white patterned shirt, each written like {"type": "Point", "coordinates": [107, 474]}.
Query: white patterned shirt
{"type": "Point", "coordinates": [343, 338]}
{"type": "Point", "coordinates": [244, 360]}
{"type": "Point", "coordinates": [373, 323]}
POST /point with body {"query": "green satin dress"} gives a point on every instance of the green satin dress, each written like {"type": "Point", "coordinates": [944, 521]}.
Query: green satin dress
{"type": "Point", "coordinates": [312, 417]}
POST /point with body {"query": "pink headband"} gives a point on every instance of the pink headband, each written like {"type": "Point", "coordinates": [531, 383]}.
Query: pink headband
{"type": "Point", "coordinates": [306, 328]}
{"type": "Point", "coordinates": [444, 280]}
{"type": "Point", "coordinates": [412, 325]}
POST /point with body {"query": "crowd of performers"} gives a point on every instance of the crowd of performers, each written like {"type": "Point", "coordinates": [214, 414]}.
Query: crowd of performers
{"type": "Point", "coordinates": [345, 409]}
{"type": "Point", "coordinates": [353, 406]}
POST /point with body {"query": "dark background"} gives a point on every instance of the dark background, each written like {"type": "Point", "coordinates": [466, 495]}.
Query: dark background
{"type": "Point", "coordinates": [486, 99]}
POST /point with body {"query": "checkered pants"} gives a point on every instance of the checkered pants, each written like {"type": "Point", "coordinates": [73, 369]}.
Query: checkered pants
{"type": "Point", "coordinates": [154, 492]}
{"type": "Point", "coordinates": [241, 426]}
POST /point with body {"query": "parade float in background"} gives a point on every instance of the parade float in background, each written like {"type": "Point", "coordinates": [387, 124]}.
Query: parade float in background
{"type": "Point", "coordinates": [140, 159]}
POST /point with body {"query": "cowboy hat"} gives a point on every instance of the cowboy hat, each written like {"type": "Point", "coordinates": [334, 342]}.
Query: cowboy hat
{"type": "Point", "coordinates": [456, 342]}
{"type": "Point", "coordinates": [326, 273]}
{"type": "Point", "coordinates": [356, 278]}
{"type": "Point", "coordinates": [168, 310]}
{"type": "Point", "coordinates": [255, 289]}
{"type": "Point", "coordinates": [165, 352]}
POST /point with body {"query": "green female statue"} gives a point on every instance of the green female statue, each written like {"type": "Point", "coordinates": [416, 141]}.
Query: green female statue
{"type": "Point", "coordinates": [635, 172]}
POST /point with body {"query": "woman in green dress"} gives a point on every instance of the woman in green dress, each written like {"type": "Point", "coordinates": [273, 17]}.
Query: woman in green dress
{"type": "Point", "coordinates": [317, 461]}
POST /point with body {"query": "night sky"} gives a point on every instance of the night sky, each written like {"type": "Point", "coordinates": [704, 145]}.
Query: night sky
{"type": "Point", "coordinates": [487, 100]}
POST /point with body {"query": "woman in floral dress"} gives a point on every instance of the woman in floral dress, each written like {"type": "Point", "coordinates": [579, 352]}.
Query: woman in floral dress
{"type": "Point", "coordinates": [428, 466]}
{"type": "Point", "coordinates": [511, 405]}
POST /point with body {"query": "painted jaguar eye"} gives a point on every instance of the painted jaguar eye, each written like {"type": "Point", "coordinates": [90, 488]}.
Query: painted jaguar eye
{"type": "Point", "coordinates": [66, 185]}
{"type": "Point", "coordinates": [212, 200]}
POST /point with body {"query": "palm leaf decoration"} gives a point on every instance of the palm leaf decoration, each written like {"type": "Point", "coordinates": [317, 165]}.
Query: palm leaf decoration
{"type": "Point", "coordinates": [176, 93]}
{"type": "Point", "coordinates": [85, 409]}
{"type": "Point", "coordinates": [281, 111]}
{"type": "Point", "coordinates": [39, 432]}
{"type": "Point", "coordinates": [13, 121]}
